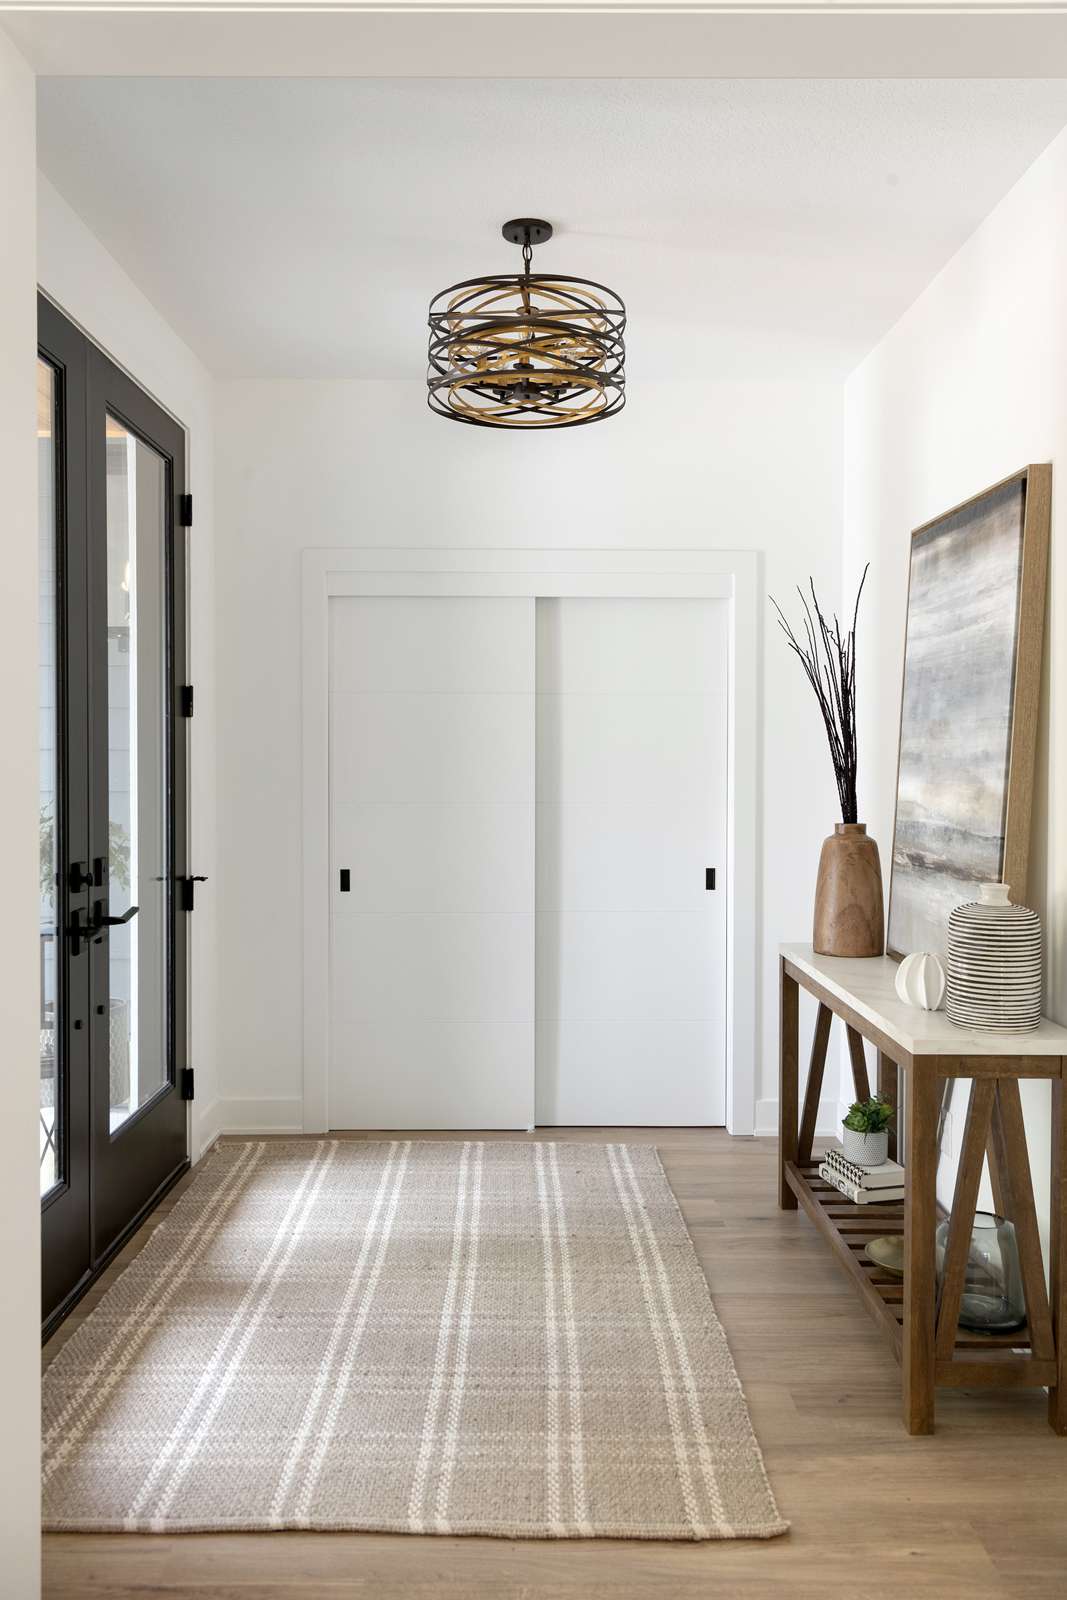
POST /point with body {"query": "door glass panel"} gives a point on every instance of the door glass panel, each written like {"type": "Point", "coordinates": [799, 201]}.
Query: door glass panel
{"type": "Point", "coordinates": [48, 632]}
{"type": "Point", "coordinates": [137, 770]}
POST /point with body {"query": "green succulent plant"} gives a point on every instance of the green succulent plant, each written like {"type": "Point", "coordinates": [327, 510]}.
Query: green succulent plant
{"type": "Point", "coordinates": [870, 1116]}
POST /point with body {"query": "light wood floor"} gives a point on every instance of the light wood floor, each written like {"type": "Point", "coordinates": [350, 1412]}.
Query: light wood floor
{"type": "Point", "coordinates": [977, 1511]}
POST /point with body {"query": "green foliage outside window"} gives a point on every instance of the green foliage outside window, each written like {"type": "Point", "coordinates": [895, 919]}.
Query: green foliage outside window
{"type": "Point", "coordinates": [118, 842]}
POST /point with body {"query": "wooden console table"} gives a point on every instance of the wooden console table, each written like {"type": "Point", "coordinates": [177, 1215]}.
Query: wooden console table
{"type": "Point", "coordinates": [922, 1324]}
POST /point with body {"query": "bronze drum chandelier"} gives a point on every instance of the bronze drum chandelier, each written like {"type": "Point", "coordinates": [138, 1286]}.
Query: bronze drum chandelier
{"type": "Point", "coordinates": [527, 349]}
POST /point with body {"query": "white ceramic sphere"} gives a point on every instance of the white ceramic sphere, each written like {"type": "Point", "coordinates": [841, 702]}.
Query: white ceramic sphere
{"type": "Point", "coordinates": [920, 980]}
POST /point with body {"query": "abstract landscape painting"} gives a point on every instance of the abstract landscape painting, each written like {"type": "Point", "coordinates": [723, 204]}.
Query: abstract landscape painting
{"type": "Point", "coordinates": [956, 718]}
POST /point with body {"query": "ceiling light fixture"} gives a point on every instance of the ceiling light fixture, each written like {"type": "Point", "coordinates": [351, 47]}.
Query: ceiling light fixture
{"type": "Point", "coordinates": [527, 349]}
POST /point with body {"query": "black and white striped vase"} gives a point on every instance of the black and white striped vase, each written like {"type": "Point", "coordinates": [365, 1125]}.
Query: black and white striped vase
{"type": "Point", "coordinates": [993, 979]}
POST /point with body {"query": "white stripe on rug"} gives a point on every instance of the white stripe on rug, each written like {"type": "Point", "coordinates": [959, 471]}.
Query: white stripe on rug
{"type": "Point", "coordinates": [574, 1371]}
{"type": "Point", "coordinates": [416, 1520]}
{"type": "Point", "coordinates": [117, 1355]}
{"type": "Point", "coordinates": [454, 1408]}
{"type": "Point", "coordinates": [340, 1389]}
{"type": "Point", "coordinates": [340, 1330]}
{"type": "Point", "coordinates": [244, 1321]}
{"type": "Point", "coordinates": [553, 1511]}
{"type": "Point", "coordinates": [685, 1366]}
{"type": "Point", "coordinates": [659, 1339]}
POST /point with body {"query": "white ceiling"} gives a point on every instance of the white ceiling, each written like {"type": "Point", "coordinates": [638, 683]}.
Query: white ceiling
{"type": "Point", "coordinates": [297, 227]}
{"type": "Point", "coordinates": [569, 39]}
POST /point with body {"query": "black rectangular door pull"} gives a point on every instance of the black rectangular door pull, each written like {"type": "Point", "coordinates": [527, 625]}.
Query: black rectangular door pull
{"type": "Point", "coordinates": [709, 877]}
{"type": "Point", "coordinates": [188, 884]}
{"type": "Point", "coordinates": [346, 880]}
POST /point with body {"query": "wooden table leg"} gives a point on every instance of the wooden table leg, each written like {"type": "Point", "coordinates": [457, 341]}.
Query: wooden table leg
{"type": "Point", "coordinates": [788, 1083]}
{"type": "Point", "coordinates": [920, 1220]}
{"type": "Point", "coordinates": [887, 1088]}
{"type": "Point", "coordinates": [961, 1217]}
{"type": "Point", "coordinates": [858, 1058]}
{"type": "Point", "coordinates": [1057, 1397]}
{"type": "Point", "coordinates": [813, 1088]}
{"type": "Point", "coordinates": [1013, 1160]}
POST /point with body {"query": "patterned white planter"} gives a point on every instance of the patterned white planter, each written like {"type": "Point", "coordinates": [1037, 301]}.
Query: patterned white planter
{"type": "Point", "coordinates": [995, 964]}
{"type": "Point", "coordinates": [865, 1149]}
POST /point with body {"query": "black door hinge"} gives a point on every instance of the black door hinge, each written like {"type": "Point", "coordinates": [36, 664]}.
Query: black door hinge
{"type": "Point", "coordinates": [188, 891]}
{"type": "Point", "coordinates": [185, 699]}
{"type": "Point", "coordinates": [185, 510]}
{"type": "Point", "coordinates": [186, 1083]}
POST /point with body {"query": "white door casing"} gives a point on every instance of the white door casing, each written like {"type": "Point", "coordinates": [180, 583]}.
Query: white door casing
{"type": "Point", "coordinates": [731, 576]}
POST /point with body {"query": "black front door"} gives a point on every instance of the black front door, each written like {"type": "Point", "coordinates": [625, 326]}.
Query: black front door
{"type": "Point", "coordinates": [113, 810]}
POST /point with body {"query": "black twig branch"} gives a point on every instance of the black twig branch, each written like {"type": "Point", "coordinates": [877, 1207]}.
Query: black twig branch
{"type": "Point", "coordinates": [828, 658]}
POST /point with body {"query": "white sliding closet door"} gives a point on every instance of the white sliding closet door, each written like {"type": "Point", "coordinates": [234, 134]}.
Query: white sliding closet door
{"type": "Point", "coordinates": [432, 820]}
{"type": "Point", "coordinates": [632, 789]}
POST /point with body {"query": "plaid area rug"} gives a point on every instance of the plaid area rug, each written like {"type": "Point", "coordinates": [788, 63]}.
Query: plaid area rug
{"type": "Point", "coordinates": [423, 1337]}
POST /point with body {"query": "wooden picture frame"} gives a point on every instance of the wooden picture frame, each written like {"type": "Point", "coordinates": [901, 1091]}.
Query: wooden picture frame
{"type": "Point", "coordinates": [928, 878]}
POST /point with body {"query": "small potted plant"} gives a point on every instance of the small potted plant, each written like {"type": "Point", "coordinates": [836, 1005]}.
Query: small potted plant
{"type": "Point", "coordinates": [865, 1139]}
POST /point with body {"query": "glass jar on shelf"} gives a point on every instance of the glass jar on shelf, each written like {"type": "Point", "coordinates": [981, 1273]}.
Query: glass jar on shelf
{"type": "Point", "coordinates": [992, 1300]}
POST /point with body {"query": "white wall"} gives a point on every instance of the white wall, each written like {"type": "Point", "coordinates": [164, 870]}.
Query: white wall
{"type": "Point", "coordinates": [19, 1195]}
{"type": "Point", "coordinates": [966, 388]}
{"type": "Point", "coordinates": [76, 271]}
{"type": "Point", "coordinates": [364, 463]}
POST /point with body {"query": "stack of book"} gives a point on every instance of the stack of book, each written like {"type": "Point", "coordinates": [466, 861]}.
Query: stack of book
{"type": "Point", "coordinates": [864, 1185]}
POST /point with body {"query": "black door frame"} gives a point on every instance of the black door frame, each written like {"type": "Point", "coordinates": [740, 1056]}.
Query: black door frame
{"type": "Point", "coordinates": [143, 1155]}
{"type": "Point", "coordinates": [66, 1211]}
{"type": "Point", "coordinates": [119, 1176]}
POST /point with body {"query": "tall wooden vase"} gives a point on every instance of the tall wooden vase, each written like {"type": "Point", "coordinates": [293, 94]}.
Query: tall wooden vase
{"type": "Point", "coordinates": [849, 919]}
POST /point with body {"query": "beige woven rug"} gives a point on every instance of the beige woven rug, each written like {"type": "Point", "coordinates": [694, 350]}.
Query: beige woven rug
{"type": "Point", "coordinates": [483, 1337]}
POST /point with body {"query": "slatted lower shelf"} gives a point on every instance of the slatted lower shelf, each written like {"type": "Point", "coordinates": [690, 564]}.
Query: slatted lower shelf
{"type": "Point", "coordinates": [979, 1359]}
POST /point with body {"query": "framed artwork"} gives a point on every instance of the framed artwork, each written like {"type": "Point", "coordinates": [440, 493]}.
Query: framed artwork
{"type": "Point", "coordinates": [968, 719]}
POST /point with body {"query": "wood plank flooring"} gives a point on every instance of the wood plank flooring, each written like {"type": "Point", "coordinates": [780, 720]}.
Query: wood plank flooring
{"type": "Point", "coordinates": [976, 1512]}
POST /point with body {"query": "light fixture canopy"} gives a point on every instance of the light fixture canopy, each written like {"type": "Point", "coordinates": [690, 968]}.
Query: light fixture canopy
{"type": "Point", "coordinates": [527, 350]}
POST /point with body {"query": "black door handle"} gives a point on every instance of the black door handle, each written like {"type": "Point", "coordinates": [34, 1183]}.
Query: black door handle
{"type": "Point", "coordinates": [79, 877]}
{"type": "Point", "coordinates": [189, 883]}
{"type": "Point", "coordinates": [78, 931]}
{"type": "Point", "coordinates": [102, 923]}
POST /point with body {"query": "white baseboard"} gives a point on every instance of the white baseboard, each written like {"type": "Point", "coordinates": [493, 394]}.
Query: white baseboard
{"type": "Point", "coordinates": [827, 1124]}
{"type": "Point", "coordinates": [271, 1115]}
{"type": "Point", "coordinates": [286, 1115]}
{"type": "Point", "coordinates": [205, 1128]}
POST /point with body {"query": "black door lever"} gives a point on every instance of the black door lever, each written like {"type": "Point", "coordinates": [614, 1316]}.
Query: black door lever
{"type": "Point", "coordinates": [102, 923]}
